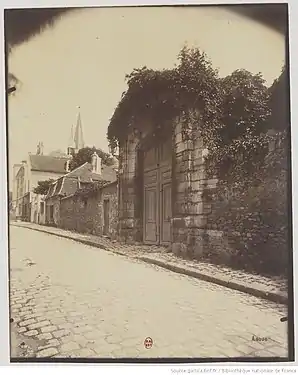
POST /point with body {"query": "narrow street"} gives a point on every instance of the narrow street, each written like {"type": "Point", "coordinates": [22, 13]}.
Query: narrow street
{"type": "Point", "coordinates": [72, 300]}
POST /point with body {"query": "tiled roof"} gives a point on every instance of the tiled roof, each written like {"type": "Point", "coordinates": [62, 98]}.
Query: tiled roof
{"type": "Point", "coordinates": [46, 163]}
{"type": "Point", "coordinates": [108, 173]}
{"type": "Point", "coordinates": [69, 184]}
{"type": "Point", "coordinates": [85, 173]}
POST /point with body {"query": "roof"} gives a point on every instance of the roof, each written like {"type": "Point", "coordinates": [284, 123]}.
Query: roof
{"type": "Point", "coordinates": [71, 182]}
{"type": "Point", "coordinates": [108, 173]}
{"type": "Point", "coordinates": [46, 163]}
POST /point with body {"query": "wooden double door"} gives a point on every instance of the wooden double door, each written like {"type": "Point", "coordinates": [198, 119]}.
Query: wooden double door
{"type": "Point", "coordinates": [157, 208]}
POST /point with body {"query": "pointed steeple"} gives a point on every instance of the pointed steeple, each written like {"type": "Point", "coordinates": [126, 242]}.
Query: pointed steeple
{"type": "Point", "coordinates": [78, 136]}
{"type": "Point", "coordinates": [76, 141]}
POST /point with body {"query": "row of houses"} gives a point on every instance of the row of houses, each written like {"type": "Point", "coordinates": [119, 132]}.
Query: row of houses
{"type": "Point", "coordinates": [64, 204]}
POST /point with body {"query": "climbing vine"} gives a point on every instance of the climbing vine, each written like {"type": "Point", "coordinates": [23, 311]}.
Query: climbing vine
{"type": "Point", "coordinates": [231, 114]}
{"type": "Point", "coordinates": [161, 96]}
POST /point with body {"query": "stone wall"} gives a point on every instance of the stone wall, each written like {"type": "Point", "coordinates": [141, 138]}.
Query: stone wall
{"type": "Point", "coordinates": [85, 215]}
{"type": "Point", "coordinates": [244, 225]}
{"type": "Point", "coordinates": [248, 225]}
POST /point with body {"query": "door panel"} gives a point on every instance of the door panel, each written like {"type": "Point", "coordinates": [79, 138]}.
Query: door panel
{"type": "Point", "coordinates": [157, 194]}
{"type": "Point", "coordinates": [150, 215]}
{"type": "Point", "coordinates": [166, 214]}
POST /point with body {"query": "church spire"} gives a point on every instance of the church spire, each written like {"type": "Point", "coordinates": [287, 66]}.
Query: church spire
{"type": "Point", "coordinates": [76, 141]}
{"type": "Point", "coordinates": [78, 137]}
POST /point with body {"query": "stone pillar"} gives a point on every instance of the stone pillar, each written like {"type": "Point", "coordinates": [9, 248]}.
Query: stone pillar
{"type": "Point", "coordinates": [181, 175]}
{"type": "Point", "coordinates": [190, 205]}
{"type": "Point", "coordinates": [128, 222]}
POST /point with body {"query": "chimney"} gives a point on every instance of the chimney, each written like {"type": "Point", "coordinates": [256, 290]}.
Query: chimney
{"type": "Point", "coordinates": [96, 163]}
{"type": "Point", "coordinates": [67, 165]}
{"type": "Point", "coordinates": [39, 150]}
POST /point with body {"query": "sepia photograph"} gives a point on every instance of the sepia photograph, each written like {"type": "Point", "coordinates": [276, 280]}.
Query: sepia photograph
{"type": "Point", "coordinates": [149, 184]}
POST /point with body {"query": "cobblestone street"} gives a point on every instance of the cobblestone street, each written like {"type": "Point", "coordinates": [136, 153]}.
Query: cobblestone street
{"type": "Point", "coordinates": [72, 300]}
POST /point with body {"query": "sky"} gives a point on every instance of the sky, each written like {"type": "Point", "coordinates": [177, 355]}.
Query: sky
{"type": "Point", "coordinates": [83, 59]}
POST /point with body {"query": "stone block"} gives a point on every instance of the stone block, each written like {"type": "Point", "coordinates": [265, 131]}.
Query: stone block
{"type": "Point", "coordinates": [180, 145]}
{"type": "Point", "coordinates": [179, 222]}
{"type": "Point", "coordinates": [198, 221]}
{"type": "Point", "coordinates": [39, 324]}
{"type": "Point", "coordinates": [127, 223]}
{"type": "Point", "coordinates": [48, 329]}
{"type": "Point", "coordinates": [197, 174]}
{"type": "Point", "coordinates": [196, 208]}
{"type": "Point", "coordinates": [44, 336]}
{"type": "Point", "coordinates": [198, 162]}
{"type": "Point", "coordinates": [178, 136]}
{"type": "Point", "coordinates": [69, 346]}
{"type": "Point", "coordinates": [214, 233]}
{"type": "Point", "coordinates": [178, 248]}
{"type": "Point", "coordinates": [49, 352]}
{"type": "Point", "coordinates": [60, 333]}
{"type": "Point", "coordinates": [27, 322]}
{"type": "Point", "coordinates": [54, 342]}
{"type": "Point", "coordinates": [182, 187]}
{"type": "Point", "coordinates": [31, 333]}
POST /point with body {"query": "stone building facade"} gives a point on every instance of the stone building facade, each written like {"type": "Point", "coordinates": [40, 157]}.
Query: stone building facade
{"type": "Point", "coordinates": [37, 167]}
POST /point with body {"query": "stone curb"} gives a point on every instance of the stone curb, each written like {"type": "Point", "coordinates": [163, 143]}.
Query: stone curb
{"type": "Point", "coordinates": [270, 296]}
{"type": "Point", "coordinates": [273, 297]}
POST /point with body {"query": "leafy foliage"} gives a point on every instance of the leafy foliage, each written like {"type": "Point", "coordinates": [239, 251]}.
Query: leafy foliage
{"type": "Point", "coordinates": [161, 96]}
{"type": "Point", "coordinates": [43, 187]}
{"type": "Point", "coordinates": [280, 102]}
{"type": "Point", "coordinates": [230, 114]}
{"type": "Point", "coordinates": [84, 155]}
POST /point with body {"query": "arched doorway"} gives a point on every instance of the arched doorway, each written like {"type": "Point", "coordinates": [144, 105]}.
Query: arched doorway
{"type": "Point", "coordinates": [157, 192]}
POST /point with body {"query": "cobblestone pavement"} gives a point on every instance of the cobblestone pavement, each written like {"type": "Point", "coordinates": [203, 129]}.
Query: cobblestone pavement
{"type": "Point", "coordinates": [73, 300]}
